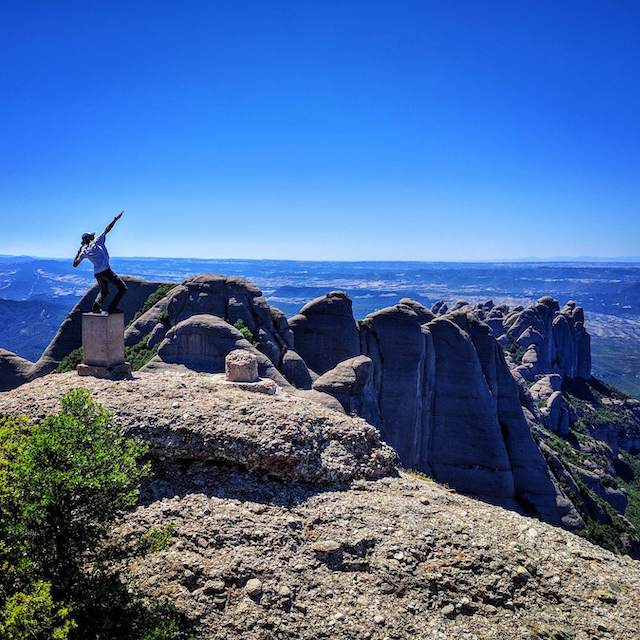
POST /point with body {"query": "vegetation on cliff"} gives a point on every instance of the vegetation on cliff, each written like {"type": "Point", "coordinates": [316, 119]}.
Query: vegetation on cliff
{"type": "Point", "coordinates": [63, 484]}
{"type": "Point", "coordinates": [153, 299]}
{"type": "Point", "coordinates": [599, 412]}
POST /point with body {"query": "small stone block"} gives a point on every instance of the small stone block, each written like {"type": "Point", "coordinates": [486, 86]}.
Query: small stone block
{"type": "Point", "coordinates": [121, 370]}
{"type": "Point", "coordinates": [103, 339]}
{"type": "Point", "coordinates": [266, 386]}
{"type": "Point", "coordinates": [241, 366]}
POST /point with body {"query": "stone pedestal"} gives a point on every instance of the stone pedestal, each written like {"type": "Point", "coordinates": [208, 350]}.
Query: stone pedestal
{"type": "Point", "coordinates": [241, 366]}
{"type": "Point", "coordinates": [103, 346]}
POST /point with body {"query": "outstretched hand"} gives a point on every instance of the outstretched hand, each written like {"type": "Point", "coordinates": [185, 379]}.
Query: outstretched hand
{"type": "Point", "coordinates": [110, 225]}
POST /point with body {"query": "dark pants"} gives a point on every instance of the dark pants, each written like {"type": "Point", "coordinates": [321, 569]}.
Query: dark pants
{"type": "Point", "coordinates": [104, 278]}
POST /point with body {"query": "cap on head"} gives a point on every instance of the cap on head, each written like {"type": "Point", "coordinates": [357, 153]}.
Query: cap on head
{"type": "Point", "coordinates": [87, 237]}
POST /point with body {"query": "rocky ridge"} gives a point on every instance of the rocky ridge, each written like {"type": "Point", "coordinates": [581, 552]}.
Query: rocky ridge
{"type": "Point", "coordinates": [475, 396]}
{"type": "Point", "coordinates": [289, 520]}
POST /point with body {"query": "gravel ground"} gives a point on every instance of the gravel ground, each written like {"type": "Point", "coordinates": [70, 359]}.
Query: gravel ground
{"type": "Point", "coordinates": [291, 522]}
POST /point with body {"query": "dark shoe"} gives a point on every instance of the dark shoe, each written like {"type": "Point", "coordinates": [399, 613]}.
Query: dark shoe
{"type": "Point", "coordinates": [96, 308]}
{"type": "Point", "coordinates": [115, 310]}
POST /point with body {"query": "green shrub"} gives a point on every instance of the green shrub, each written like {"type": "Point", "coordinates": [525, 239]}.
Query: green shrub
{"type": "Point", "coordinates": [515, 350]}
{"type": "Point", "coordinates": [140, 354]}
{"type": "Point", "coordinates": [153, 299]}
{"type": "Point", "coordinates": [69, 477]}
{"type": "Point", "coordinates": [35, 616]}
{"type": "Point", "coordinates": [70, 362]}
{"type": "Point", "coordinates": [64, 482]}
{"type": "Point", "coordinates": [158, 539]}
{"type": "Point", "coordinates": [246, 332]}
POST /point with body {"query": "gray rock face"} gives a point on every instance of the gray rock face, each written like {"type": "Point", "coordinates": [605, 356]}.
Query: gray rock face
{"type": "Point", "coordinates": [465, 446]}
{"type": "Point", "coordinates": [325, 332]}
{"type": "Point", "coordinates": [555, 339]}
{"type": "Point", "coordinates": [401, 355]}
{"type": "Point", "coordinates": [14, 370]}
{"type": "Point", "coordinates": [295, 370]}
{"type": "Point", "coordinates": [615, 497]}
{"type": "Point", "coordinates": [534, 486]}
{"type": "Point", "coordinates": [202, 342]}
{"type": "Point", "coordinates": [450, 407]}
{"type": "Point", "coordinates": [231, 299]}
{"type": "Point", "coordinates": [351, 383]}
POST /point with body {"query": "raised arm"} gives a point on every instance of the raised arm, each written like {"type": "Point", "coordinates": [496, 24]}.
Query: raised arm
{"type": "Point", "coordinates": [77, 260]}
{"type": "Point", "coordinates": [112, 223]}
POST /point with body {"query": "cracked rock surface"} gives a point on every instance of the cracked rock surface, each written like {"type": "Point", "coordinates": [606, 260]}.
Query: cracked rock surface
{"type": "Point", "coordinates": [290, 522]}
{"type": "Point", "coordinates": [394, 558]}
{"type": "Point", "coordinates": [190, 416]}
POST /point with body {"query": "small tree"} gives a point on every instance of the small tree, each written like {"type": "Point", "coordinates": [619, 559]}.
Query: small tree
{"type": "Point", "coordinates": [63, 484]}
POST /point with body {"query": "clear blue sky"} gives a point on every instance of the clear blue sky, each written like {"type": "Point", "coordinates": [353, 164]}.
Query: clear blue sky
{"type": "Point", "coordinates": [330, 129]}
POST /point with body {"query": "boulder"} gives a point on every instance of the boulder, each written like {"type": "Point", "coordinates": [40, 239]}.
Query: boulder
{"type": "Point", "coordinates": [325, 332]}
{"type": "Point", "coordinates": [14, 370]}
{"type": "Point", "coordinates": [295, 370]}
{"type": "Point", "coordinates": [203, 419]}
{"type": "Point", "coordinates": [423, 314]}
{"type": "Point", "coordinates": [202, 342]}
{"type": "Point", "coordinates": [556, 416]}
{"type": "Point", "coordinates": [241, 366]}
{"type": "Point", "coordinates": [545, 386]}
{"type": "Point", "coordinates": [439, 308]}
{"type": "Point", "coordinates": [351, 383]}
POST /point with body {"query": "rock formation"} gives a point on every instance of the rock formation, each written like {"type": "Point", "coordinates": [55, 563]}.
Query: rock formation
{"type": "Point", "coordinates": [201, 343]}
{"type": "Point", "coordinates": [546, 338]}
{"type": "Point", "coordinates": [444, 398]}
{"type": "Point", "coordinates": [325, 332]}
{"type": "Point", "coordinates": [289, 520]}
{"type": "Point", "coordinates": [186, 416]}
{"type": "Point", "coordinates": [228, 298]}
{"type": "Point", "coordinates": [470, 394]}
{"type": "Point", "coordinates": [14, 370]}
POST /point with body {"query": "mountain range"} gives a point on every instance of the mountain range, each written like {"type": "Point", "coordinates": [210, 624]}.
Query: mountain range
{"type": "Point", "coordinates": [609, 292]}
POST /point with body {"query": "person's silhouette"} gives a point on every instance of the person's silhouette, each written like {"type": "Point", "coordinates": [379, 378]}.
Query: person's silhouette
{"type": "Point", "coordinates": [95, 250]}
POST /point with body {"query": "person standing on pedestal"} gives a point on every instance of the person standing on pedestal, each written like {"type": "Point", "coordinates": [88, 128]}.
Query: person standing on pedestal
{"type": "Point", "coordinates": [95, 250]}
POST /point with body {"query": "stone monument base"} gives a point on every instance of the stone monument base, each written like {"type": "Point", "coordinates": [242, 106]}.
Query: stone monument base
{"type": "Point", "coordinates": [103, 346]}
{"type": "Point", "coordinates": [121, 370]}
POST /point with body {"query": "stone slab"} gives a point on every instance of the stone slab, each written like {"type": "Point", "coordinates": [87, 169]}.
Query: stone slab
{"type": "Point", "coordinates": [103, 339]}
{"type": "Point", "coordinates": [121, 370]}
{"type": "Point", "coordinates": [262, 385]}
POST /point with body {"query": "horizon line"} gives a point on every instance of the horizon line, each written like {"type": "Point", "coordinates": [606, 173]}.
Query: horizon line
{"type": "Point", "coordinates": [529, 259]}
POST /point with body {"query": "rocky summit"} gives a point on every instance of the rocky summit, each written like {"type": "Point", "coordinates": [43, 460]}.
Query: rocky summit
{"type": "Point", "coordinates": [291, 520]}
{"type": "Point", "coordinates": [422, 472]}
